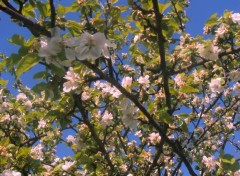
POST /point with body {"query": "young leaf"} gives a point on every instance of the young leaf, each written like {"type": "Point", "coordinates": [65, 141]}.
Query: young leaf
{"type": "Point", "coordinates": [26, 63]}
{"type": "Point", "coordinates": [17, 40]}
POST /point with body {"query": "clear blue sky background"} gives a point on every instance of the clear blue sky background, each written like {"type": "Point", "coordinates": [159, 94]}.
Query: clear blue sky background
{"type": "Point", "coordinates": [199, 11]}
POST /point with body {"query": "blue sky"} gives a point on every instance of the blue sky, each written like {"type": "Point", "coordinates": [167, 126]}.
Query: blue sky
{"type": "Point", "coordinates": [199, 11]}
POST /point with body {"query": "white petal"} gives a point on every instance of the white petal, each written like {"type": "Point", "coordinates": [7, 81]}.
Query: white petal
{"type": "Point", "coordinates": [70, 54]}
{"type": "Point", "coordinates": [99, 39]}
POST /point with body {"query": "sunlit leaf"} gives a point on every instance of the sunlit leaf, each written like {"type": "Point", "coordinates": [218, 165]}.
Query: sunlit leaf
{"type": "Point", "coordinates": [26, 63]}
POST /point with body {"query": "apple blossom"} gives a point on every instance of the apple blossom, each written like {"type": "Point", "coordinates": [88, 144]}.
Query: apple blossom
{"type": "Point", "coordinates": [50, 47]}
{"type": "Point", "coordinates": [235, 75]}
{"type": "Point", "coordinates": [144, 81]}
{"type": "Point", "coordinates": [216, 85]}
{"type": "Point", "coordinates": [236, 18]}
{"type": "Point", "coordinates": [67, 165]}
{"type": "Point", "coordinates": [42, 124]}
{"type": "Point", "coordinates": [89, 46]}
{"type": "Point", "coordinates": [209, 162]}
{"type": "Point", "coordinates": [72, 81]}
{"type": "Point", "coordinates": [10, 173]}
{"type": "Point", "coordinates": [37, 152]}
{"type": "Point", "coordinates": [154, 138]}
{"type": "Point", "coordinates": [208, 51]}
{"type": "Point", "coordinates": [107, 119]}
{"type": "Point", "coordinates": [70, 139]}
{"type": "Point", "coordinates": [126, 81]}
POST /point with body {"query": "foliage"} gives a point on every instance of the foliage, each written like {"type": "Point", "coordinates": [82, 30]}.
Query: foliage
{"type": "Point", "coordinates": [138, 98]}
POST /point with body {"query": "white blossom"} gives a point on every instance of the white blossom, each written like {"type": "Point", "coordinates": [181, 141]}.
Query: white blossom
{"type": "Point", "coordinates": [37, 152]}
{"type": "Point", "coordinates": [70, 139]}
{"type": "Point", "coordinates": [236, 87]}
{"type": "Point", "coordinates": [216, 85]}
{"type": "Point", "coordinates": [235, 75]}
{"type": "Point", "coordinates": [41, 124]}
{"type": "Point", "coordinates": [72, 81]}
{"type": "Point", "coordinates": [126, 81]}
{"type": "Point", "coordinates": [89, 46]}
{"type": "Point", "coordinates": [144, 81]}
{"type": "Point", "coordinates": [21, 96]}
{"type": "Point", "coordinates": [209, 162]}
{"type": "Point", "coordinates": [67, 165]}
{"type": "Point", "coordinates": [10, 173]}
{"type": "Point", "coordinates": [236, 17]}
{"type": "Point", "coordinates": [50, 47]}
{"type": "Point", "coordinates": [154, 138]}
{"type": "Point", "coordinates": [208, 51]}
{"type": "Point", "coordinates": [107, 119]}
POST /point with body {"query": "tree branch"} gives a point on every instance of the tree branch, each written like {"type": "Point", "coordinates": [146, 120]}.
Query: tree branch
{"type": "Point", "coordinates": [93, 133]}
{"type": "Point", "coordinates": [161, 41]}
{"type": "Point", "coordinates": [143, 110]}
{"type": "Point", "coordinates": [53, 14]}
{"type": "Point", "coordinates": [35, 28]}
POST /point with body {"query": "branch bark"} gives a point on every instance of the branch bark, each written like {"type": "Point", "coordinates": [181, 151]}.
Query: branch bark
{"type": "Point", "coordinates": [35, 28]}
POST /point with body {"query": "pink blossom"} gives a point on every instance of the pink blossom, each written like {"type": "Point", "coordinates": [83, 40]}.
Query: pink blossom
{"type": "Point", "coordinates": [126, 81]}
{"type": "Point", "coordinates": [236, 87]}
{"type": "Point", "coordinates": [10, 173]}
{"type": "Point", "coordinates": [41, 124]}
{"type": "Point", "coordinates": [154, 138]}
{"type": "Point", "coordinates": [67, 165]}
{"type": "Point", "coordinates": [144, 81]}
{"type": "Point", "coordinates": [21, 96]}
{"type": "Point", "coordinates": [236, 17]}
{"type": "Point", "coordinates": [107, 119]}
{"type": "Point", "coordinates": [209, 162]}
{"type": "Point", "coordinates": [37, 152]}
{"type": "Point", "coordinates": [208, 51]}
{"type": "Point", "coordinates": [216, 85]}
{"type": "Point", "coordinates": [70, 139]}
{"type": "Point", "coordinates": [235, 75]}
{"type": "Point", "coordinates": [72, 81]}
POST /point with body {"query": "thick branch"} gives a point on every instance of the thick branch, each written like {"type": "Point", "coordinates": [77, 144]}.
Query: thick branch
{"type": "Point", "coordinates": [53, 14]}
{"type": "Point", "coordinates": [35, 28]}
{"type": "Point", "coordinates": [93, 133]}
{"type": "Point", "coordinates": [161, 40]}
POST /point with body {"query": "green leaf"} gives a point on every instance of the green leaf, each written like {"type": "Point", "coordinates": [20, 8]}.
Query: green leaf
{"type": "Point", "coordinates": [163, 7]}
{"type": "Point", "coordinates": [38, 88]}
{"type": "Point", "coordinates": [115, 12]}
{"type": "Point", "coordinates": [23, 152]}
{"type": "Point", "coordinates": [4, 142]}
{"type": "Point", "coordinates": [62, 10]}
{"type": "Point", "coordinates": [164, 117]}
{"type": "Point", "coordinates": [17, 40]}
{"type": "Point", "coordinates": [74, 27]}
{"type": "Point", "coordinates": [3, 82]}
{"type": "Point", "coordinates": [26, 63]}
{"type": "Point", "coordinates": [228, 162]}
{"type": "Point", "coordinates": [179, 7]}
{"type": "Point", "coordinates": [40, 75]}
{"type": "Point", "coordinates": [188, 89]}
{"type": "Point", "coordinates": [140, 27]}
{"type": "Point", "coordinates": [147, 5]}
{"type": "Point", "coordinates": [212, 20]}
{"type": "Point", "coordinates": [28, 11]}
{"type": "Point", "coordinates": [44, 9]}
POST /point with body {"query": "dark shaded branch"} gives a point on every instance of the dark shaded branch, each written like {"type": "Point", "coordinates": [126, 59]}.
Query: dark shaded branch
{"type": "Point", "coordinates": [93, 133]}
{"type": "Point", "coordinates": [155, 160]}
{"type": "Point", "coordinates": [178, 16]}
{"type": "Point", "coordinates": [161, 41]}
{"type": "Point", "coordinates": [53, 14]}
{"type": "Point", "coordinates": [35, 28]}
